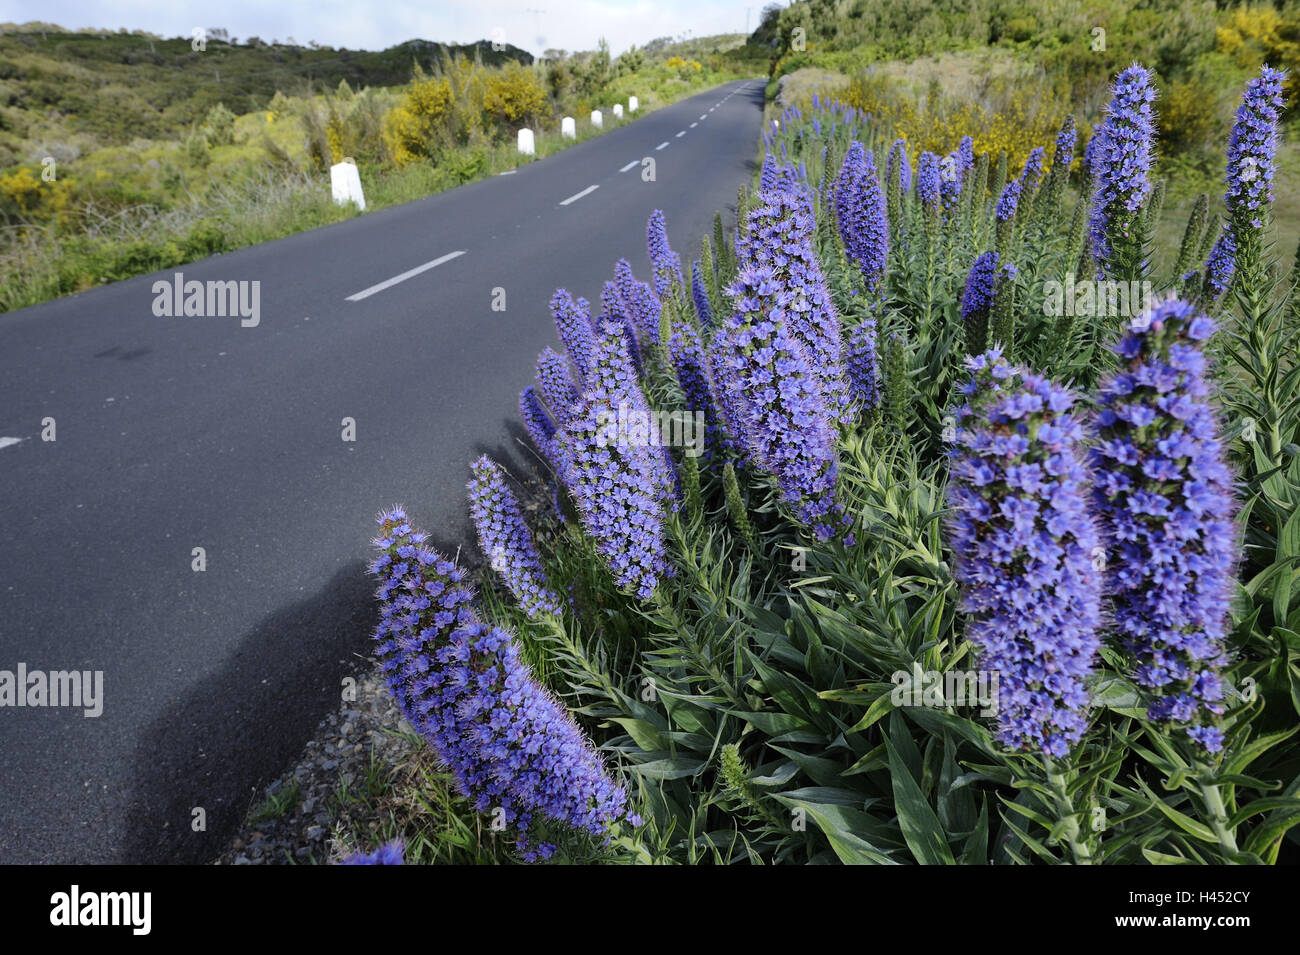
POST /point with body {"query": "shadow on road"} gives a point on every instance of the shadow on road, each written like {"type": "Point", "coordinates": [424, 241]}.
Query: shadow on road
{"type": "Point", "coordinates": [237, 730]}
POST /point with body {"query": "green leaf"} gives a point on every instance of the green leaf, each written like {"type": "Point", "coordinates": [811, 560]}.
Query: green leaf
{"type": "Point", "coordinates": [920, 825]}
{"type": "Point", "coordinates": [1181, 820]}
{"type": "Point", "coordinates": [976, 849]}
{"type": "Point", "coordinates": [1258, 746]}
{"type": "Point", "coordinates": [1164, 858]}
{"type": "Point", "coordinates": [669, 767]}
{"type": "Point", "coordinates": [875, 711]}
{"type": "Point", "coordinates": [842, 826]}
{"type": "Point", "coordinates": [643, 734]}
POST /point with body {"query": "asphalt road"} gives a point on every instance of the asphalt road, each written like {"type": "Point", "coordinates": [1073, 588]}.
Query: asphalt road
{"type": "Point", "coordinates": [173, 433]}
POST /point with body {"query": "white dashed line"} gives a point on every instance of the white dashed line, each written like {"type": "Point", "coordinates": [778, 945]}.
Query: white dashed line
{"type": "Point", "coordinates": [578, 195]}
{"type": "Point", "coordinates": [5, 442]}
{"type": "Point", "coordinates": [389, 283]}
{"type": "Point", "coordinates": [704, 116]}
{"type": "Point", "coordinates": [693, 125]}
{"type": "Point", "coordinates": [508, 172]}
{"type": "Point", "coordinates": [629, 165]}
{"type": "Point", "coordinates": [662, 145]}
{"type": "Point", "coordinates": [681, 134]}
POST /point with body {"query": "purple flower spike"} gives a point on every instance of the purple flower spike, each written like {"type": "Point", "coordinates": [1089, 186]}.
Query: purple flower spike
{"type": "Point", "coordinates": [1252, 150]}
{"type": "Point", "coordinates": [1166, 498]}
{"type": "Point", "coordinates": [573, 323]}
{"type": "Point", "coordinates": [864, 380]}
{"type": "Point", "coordinates": [1031, 175]}
{"type": "Point", "coordinates": [779, 235]}
{"type": "Point", "coordinates": [899, 166]}
{"type": "Point", "coordinates": [666, 263]}
{"type": "Point", "coordinates": [861, 215]}
{"type": "Point", "coordinates": [927, 182]}
{"type": "Point", "coordinates": [1066, 140]}
{"type": "Point", "coordinates": [619, 495]}
{"type": "Point", "coordinates": [691, 367]}
{"type": "Point", "coordinates": [639, 302]}
{"type": "Point", "coordinates": [510, 747]}
{"type": "Point", "coordinates": [700, 295]}
{"type": "Point", "coordinates": [771, 377]}
{"type": "Point", "coordinates": [1220, 266]}
{"type": "Point", "coordinates": [1122, 151]}
{"type": "Point", "coordinates": [1009, 201]}
{"type": "Point", "coordinates": [555, 383]}
{"type": "Point", "coordinates": [1024, 546]}
{"type": "Point", "coordinates": [390, 853]}
{"type": "Point", "coordinates": [506, 541]}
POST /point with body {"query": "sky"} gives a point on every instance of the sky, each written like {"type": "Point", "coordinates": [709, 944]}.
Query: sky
{"type": "Point", "coordinates": [534, 25]}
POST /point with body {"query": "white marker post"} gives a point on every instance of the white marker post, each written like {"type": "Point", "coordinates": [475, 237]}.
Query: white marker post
{"type": "Point", "coordinates": [618, 110]}
{"type": "Point", "coordinates": [596, 119]}
{"type": "Point", "coordinates": [632, 104]}
{"type": "Point", "coordinates": [526, 144]}
{"type": "Point", "coordinates": [345, 183]}
{"type": "Point", "coordinates": [568, 128]}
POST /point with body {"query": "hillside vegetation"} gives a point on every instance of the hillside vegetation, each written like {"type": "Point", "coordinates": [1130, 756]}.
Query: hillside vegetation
{"type": "Point", "coordinates": [122, 153]}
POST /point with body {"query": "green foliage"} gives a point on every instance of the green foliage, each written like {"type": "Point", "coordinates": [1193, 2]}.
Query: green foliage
{"type": "Point", "coordinates": [754, 703]}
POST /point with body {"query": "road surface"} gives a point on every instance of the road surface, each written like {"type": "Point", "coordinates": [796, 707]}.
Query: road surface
{"type": "Point", "coordinates": [176, 433]}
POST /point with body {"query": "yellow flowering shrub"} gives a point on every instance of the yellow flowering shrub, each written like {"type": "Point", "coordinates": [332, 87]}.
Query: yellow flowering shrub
{"type": "Point", "coordinates": [513, 96]}
{"type": "Point", "coordinates": [415, 129]}
{"type": "Point", "coordinates": [1005, 118]}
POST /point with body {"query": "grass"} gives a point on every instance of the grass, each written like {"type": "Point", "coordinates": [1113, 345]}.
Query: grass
{"type": "Point", "coordinates": [277, 804]}
{"type": "Point", "coordinates": [256, 204]}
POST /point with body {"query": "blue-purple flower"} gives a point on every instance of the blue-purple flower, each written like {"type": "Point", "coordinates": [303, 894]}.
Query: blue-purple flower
{"type": "Point", "coordinates": [556, 385]}
{"type": "Point", "coordinates": [779, 235]}
{"type": "Point", "coordinates": [691, 367]}
{"type": "Point", "coordinates": [1252, 150]}
{"type": "Point", "coordinates": [1009, 201]}
{"type": "Point", "coordinates": [772, 379]}
{"type": "Point", "coordinates": [1032, 173]}
{"type": "Point", "coordinates": [573, 323]}
{"type": "Point", "coordinates": [510, 747]}
{"type": "Point", "coordinates": [1024, 544]}
{"type": "Point", "coordinates": [1123, 148]}
{"type": "Point", "coordinates": [1066, 140]}
{"type": "Point", "coordinates": [927, 182]}
{"type": "Point", "coordinates": [860, 214]}
{"type": "Point", "coordinates": [1220, 266]}
{"type": "Point", "coordinates": [899, 166]}
{"type": "Point", "coordinates": [506, 541]}
{"type": "Point", "coordinates": [864, 379]}
{"type": "Point", "coordinates": [390, 853]}
{"type": "Point", "coordinates": [639, 303]}
{"type": "Point", "coordinates": [1166, 498]}
{"type": "Point", "coordinates": [700, 295]}
{"type": "Point", "coordinates": [618, 493]}
{"type": "Point", "coordinates": [666, 263]}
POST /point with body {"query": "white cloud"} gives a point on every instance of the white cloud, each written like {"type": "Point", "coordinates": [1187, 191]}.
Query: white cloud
{"type": "Point", "coordinates": [531, 24]}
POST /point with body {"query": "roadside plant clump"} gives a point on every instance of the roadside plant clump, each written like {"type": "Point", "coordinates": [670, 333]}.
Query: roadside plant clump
{"type": "Point", "coordinates": [843, 524]}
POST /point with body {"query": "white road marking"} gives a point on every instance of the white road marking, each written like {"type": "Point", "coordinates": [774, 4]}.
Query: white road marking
{"type": "Point", "coordinates": [661, 146]}
{"type": "Point", "coordinates": [5, 442]}
{"type": "Point", "coordinates": [629, 165]}
{"type": "Point", "coordinates": [578, 195]}
{"type": "Point", "coordinates": [705, 116]}
{"type": "Point", "coordinates": [389, 283]}
{"type": "Point", "coordinates": [508, 172]}
{"type": "Point", "coordinates": [693, 125]}
{"type": "Point", "coordinates": [681, 134]}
